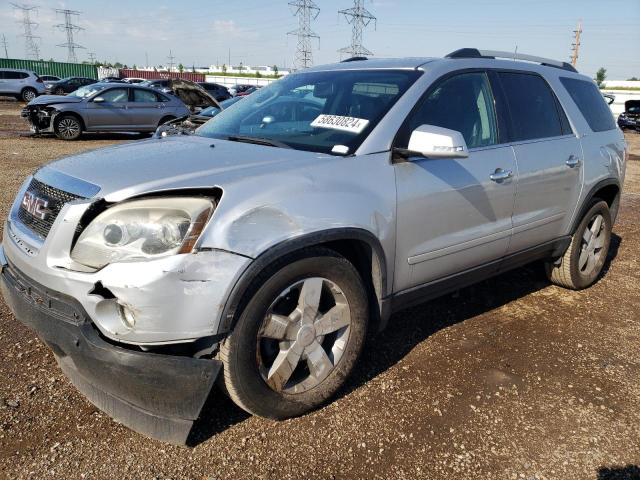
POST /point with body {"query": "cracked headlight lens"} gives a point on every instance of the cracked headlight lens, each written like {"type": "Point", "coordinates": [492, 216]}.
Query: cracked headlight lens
{"type": "Point", "coordinates": [142, 230]}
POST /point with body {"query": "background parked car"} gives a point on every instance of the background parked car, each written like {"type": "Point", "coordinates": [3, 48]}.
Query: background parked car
{"type": "Point", "coordinates": [248, 91]}
{"type": "Point", "coordinates": [68, 85]}
{"type": "Point", "coordinates": [188, 125]}
{"type": "Point", "coordinates": [49, 78]}
{"type": "Point", "coordinates": [162, 85]}
{"type": "Point", "coordinates": [103, 107]}
{"type": "Point", "coordinates": [630, 118]}
{"type": "Point", "coordinates": [111, 80]}
{"type": "Point", "coordinates": [217, 91]}
{"type": "Point", "coordinates": [133, 80]}
{"type": "Point", "coordinates": [21, 84]}
{"type": "Point", "coordinates": [236, 89]}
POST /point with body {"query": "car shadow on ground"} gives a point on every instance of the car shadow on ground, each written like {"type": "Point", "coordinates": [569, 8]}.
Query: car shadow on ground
{"type": "Point", "coordinates": [94, 136]}
{"type": "Point", "coordinates": [407, 329]}
{"type": "Point", "coordinates": [629, 472]}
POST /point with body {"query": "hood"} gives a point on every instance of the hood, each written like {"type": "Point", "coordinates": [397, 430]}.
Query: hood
{"type": "Point", "coordinates": [632, 107]}
{"type": "Point", "coordinates": [173, 162]}
{"type": "Point", "coordinates": [51, 99]}
{"type": "Point", "coordinates": [191, 94]}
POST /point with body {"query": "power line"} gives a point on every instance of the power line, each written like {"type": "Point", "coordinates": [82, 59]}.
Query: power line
{"type": "Point", "coordinates": [575, 46]}
{"type": "Point", "coordinates": [4, 44]}
{"type": "Point", "coordinates": [359, 18]}
{"type": "Point", "coordinates": [69, 28]}
{"type": "Point", "coordinates": [30, 40]}
{"type": "Point", "coordinates": [306, 11]}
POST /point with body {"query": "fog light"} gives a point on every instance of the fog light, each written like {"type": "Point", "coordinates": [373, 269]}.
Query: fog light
{"type": "Point", "coordinates": [127, 317]}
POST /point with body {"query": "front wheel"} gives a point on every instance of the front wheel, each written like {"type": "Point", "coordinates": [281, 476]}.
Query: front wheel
{"type": "Point", "coordinates": [29, 94]}
{"type": "Point", "coordinates": [67, 127]}
{"type": "Point", "coordinates": [583, 261]}
{"type": "Point", "coordinates": [298, 337]}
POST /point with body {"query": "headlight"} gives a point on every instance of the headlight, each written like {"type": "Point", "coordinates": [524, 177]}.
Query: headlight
{"type": "Point", "coordinates": [142, 230]}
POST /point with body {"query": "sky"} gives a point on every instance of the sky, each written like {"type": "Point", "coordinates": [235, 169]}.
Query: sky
{"type": "Point", "coordinates": [254, 32]}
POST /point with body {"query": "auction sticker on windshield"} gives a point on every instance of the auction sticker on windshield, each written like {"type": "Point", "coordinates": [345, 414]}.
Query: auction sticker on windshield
{"type": "Point", "coordinates": [338, 122]}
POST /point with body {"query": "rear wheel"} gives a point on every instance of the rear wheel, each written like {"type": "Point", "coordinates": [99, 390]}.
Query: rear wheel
{"type": "Point", "coordinates": [582, 263]}
{"type": "Point", "coordinates": [28, 94]}
{"type": "Point", "coordinates": [67, 127]}
{"type": "Point", "coordinates": [59, 91]}
{"type": "Point", "coordinates": [298, 337]}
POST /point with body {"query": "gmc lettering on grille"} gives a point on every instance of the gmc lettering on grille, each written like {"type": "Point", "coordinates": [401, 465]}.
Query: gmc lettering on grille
{"type": "Point", "coordinates": [36, 206]}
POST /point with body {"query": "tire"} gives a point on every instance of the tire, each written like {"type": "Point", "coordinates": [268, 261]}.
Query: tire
{"type": "Point", "coordinates": [577, 268]}
{"type": "Point", "coordinates": [28, 94]}
{"type": "Point", "coordinates": [166, 119]}
{"type": "Point", "coordinates": [250, 354]}
{"type": "Point", "coordinates": [59, 91]}
{"type": "Point", "coordinates": [67, 127]}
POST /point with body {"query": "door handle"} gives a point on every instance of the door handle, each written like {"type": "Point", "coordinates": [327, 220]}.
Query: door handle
{"type": "Point", "coordinates": [500, 175]}
{"type": "Point", "coordinates": [573, 161]}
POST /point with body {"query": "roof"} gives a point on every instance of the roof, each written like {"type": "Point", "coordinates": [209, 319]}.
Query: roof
{"type": "Point", "coordinates": [410, 63]}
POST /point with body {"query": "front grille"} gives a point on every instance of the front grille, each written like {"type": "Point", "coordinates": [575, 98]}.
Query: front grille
{"type": "Point", "coordinates": [56, 198]}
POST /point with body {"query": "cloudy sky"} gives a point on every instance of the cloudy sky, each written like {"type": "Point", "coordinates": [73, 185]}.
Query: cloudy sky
{"type": "Point", "coordinates": [203, 32]}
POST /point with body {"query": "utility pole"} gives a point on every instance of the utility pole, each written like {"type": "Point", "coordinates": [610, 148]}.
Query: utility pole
{"type": "Point", "coordinates": [306, 11]}
{"type": "Point", "coordinates": [4, 44]}
{"type": "Point", "coordinates": [30, 40]}
{"type": "Point", "coordinates": [359, 18]}
{"type": "Point", "coordinates": [171, 59]}
{"type": "Point", "coordinates": [146, 60]}
{"type": "Point", "coordinates": [575, 46]}
{"type": "Point", "coordinates": [69, 28]}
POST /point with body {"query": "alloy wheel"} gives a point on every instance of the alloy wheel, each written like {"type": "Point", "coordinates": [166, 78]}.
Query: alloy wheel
{"type": "Point", "coordinates": [303, 336]}
{"type": "Point", "coordinates": [68, 128]}
{"type": "Point", "coordinates": [593, 241]}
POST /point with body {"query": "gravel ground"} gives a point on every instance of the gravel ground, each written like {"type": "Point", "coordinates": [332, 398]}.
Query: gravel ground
{"type": "Point", "coordinates": [512, 378]}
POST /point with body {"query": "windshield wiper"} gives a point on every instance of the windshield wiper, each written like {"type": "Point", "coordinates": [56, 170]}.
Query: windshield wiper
{"type": "Point", "coordinates": [257, 141]}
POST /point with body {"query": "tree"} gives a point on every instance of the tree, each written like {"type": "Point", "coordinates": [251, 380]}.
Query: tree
{"type": "Point", "coordinates": [275, 70]}
{"type": "Point", "coordinates": [258, 74]}
{"type": "Point", "coordinates": [193, 69]}
{"type": "Point", "coordinates": [601, 75]}
{"type": "Point", "coordinates": [632, 79]}
{"type": "Point", "coordinates": [181, 68]}
{"type": "Point", "coordinates": [240, 67]}
{"type": "Point", "coordinates": [135, 66]}
{"type": "Point", "coordinates": [224, 68]}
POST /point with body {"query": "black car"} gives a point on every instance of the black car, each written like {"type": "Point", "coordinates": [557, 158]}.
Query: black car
{"type": "Point", "coordinates": [49, 78]}
{"type": "Point", "coordinates": [217, 91]}
{"type": "Point", "coordinates": [630, 118]}
{"type": "Point", "coordinates": [67, 85]}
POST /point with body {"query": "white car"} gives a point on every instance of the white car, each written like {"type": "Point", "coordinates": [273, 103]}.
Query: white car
{"type": "Point", "coordinates": [22, 84]}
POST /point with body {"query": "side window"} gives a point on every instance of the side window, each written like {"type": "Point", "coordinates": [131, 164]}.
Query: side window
{"type": "Point", "coordinates": [144, 96]}
{"type": "Point", "coordinates": [116, 95]}
{"type": "Point", "coordinates": [463, 103]}
{"type": "Point", "coordinates": [591, 104]}
{"type": "Point", "coordinates": [533, 106]}
{"type": "Point", "coordinates": [12, 75]}
{"type": "Point", "coordinates": [23, 75]}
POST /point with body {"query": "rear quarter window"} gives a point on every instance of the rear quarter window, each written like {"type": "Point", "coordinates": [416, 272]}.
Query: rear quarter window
{"type": "Point", "coordinates": [590, 103]}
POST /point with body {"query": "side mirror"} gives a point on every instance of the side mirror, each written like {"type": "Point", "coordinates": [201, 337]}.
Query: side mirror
{"type": "Point", "coordinates": [437, 142]}
{"type": "Point", "coordinates": [98, 100]}
{"type": "Point", "coordinates": [266, 121]}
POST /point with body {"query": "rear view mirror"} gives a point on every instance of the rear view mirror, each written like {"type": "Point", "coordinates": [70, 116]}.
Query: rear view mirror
{"type": "Point", "coordinates": [323, 90]}
{"type": "Point", "coordinates": [98, 100]}
{"type": "Point", "coordinates": [437, 142]}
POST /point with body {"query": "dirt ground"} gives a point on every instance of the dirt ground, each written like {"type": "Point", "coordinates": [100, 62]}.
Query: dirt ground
{"type": "Point", "coordinates": [512, 378]}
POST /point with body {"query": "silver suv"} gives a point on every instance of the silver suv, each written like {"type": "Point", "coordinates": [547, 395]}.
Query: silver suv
{"type": "Point", "coordinates": [262, 249]}
{"type": "Point", "coordinates": [23, 84]}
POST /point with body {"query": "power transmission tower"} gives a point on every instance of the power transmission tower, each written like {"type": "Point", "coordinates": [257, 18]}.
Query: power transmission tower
{"type": "Point", "coordinates": [359, 18]}
{"type": "Point", "coordinates": [69, 28]}
{"type": "Point", "coordinates": [305, 10]}
{"type": "Point", "coordinates": [171, 59]}
{"type": "Point", "coordinates": [4, 44]}
{"type": "Point", "coordinates": [30, 40]}
{"type": "Point", "coordinates": [92, 57]}
{"type": "Point", "coordinates": [575, 46]}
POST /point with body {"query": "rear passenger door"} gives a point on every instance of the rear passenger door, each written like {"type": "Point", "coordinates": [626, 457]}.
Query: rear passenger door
{"type": "Point", "coordinates": [548, 155]}
{"type": "Point", "coordinates": [146, 110]}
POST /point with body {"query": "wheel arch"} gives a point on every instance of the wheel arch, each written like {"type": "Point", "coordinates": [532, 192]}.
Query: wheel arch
{"type": "Point", "coordinates": [62, 113]}
{"type": "Point", "coordinates": [357, 245]}
{"type": "Point", "coordinates": [608, 190]}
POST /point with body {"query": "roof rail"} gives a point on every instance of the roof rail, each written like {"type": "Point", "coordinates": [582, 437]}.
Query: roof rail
{"type": "Point", "coordinates": [475, 53]}
{"type": "Point", "coordinates": [353, 59]}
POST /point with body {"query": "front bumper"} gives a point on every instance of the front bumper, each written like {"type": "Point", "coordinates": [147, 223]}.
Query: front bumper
{"type": "Point", "coordinates": [157, 395]}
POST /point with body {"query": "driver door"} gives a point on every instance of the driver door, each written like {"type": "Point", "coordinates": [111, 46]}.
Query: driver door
{"type": "Point", "coordinates": [111, 114]}
{"type": "Point", "coordinates": [454, 214]}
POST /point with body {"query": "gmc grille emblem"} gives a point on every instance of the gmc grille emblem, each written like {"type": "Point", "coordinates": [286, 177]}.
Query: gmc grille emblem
{"type": "Point", "coordinates": [36, 206]}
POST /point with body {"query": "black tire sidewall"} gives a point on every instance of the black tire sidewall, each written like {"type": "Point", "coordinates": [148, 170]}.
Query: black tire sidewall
{"type": "Point", "coordinates": [579, 279]}
{"type": "Point", "coordinates": [255, 394]}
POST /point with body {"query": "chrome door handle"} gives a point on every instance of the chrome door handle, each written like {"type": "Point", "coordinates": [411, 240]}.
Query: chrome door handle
{"type": "Point", "coordinates": [573, 161]}
{"type": "Point", "coordinates": [499, 175]}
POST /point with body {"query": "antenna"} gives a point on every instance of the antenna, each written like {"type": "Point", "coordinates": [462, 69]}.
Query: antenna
{"type": "Point", "coordinates": [30, 40]}
{"type": "Point", "coordinates": [69, 28]}
{"type": "Point", "coordinates": [171, 59]}
{"type": "Point", "coordinates": [359, 18]}
{"type": "Point", "coordinates": [575, 46]}
{"type": "Point", "coordinates": [305, 10]}
{"type": "Point", "coordinates": [4, 44]}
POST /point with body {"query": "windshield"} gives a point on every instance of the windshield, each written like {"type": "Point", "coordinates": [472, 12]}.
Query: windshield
{"type": "Point", "coordinates": [329, 112]}
{"type": "Point", "coordinates": [84, 92]}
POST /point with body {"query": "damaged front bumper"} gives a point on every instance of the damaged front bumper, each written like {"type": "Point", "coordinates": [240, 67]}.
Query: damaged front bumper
{"type": "Point", "coordinates": [40, 118]}
{"type": "Point", "coordinates": [157, 395]}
